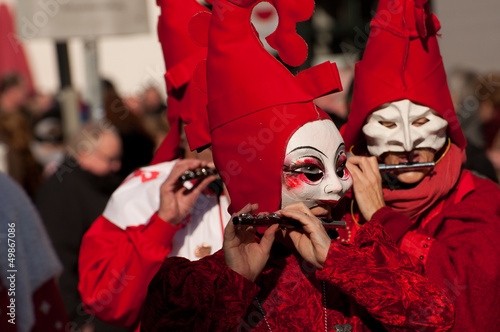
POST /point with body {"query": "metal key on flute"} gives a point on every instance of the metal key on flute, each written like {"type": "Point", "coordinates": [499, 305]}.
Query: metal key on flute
{"type": "Point", "coordinates": [197, 173]}
{"type": "Point", "coordinates": [247, 219]}
{"type": "Point", "coordinates": [405, 167]}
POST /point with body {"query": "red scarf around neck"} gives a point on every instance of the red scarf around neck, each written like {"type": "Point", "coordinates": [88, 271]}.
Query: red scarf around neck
{"type": "Point", "coordinates": [435, 185]}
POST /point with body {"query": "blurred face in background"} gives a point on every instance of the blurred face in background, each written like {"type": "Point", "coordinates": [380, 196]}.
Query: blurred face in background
{"type": "Point", "coordinates": [14, 97]}
{"type": "Point", "coordinates": [104, 157]}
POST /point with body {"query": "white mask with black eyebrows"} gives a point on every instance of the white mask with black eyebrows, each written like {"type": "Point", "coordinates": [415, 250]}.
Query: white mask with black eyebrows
{"type": "Point", "coordinates": [314, 169]}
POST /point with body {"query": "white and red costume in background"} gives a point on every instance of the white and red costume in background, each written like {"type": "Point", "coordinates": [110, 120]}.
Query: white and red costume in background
{"type": "Point", "coordinates": [125, 247]}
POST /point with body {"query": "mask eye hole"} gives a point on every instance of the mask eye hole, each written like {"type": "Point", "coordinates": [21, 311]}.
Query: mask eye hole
{"type": "Point", "coordinates": [307, 172]}
{"type": "Point", "coordinates": [420, 122]}
{"type": "Point", "coordinates": [388, 124]}
{"type": "Point", "coordinates": [342, 170]}
{"type": "Point", "coordinates": [311, 172]}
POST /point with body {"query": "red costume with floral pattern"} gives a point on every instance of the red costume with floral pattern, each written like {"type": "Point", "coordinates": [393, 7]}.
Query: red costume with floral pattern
{"type": "Point", "coordinates": [369, 285]}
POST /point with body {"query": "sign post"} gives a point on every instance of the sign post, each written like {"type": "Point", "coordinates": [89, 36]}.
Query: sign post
{"type": "Point", "coordinates": [94, 84]}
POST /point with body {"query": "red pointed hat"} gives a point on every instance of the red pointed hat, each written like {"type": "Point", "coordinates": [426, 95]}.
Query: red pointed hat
{"type": "Point", "coordinates": [401, 61]}
{"type": "Point", "coordinates": [181, 55]}
{"type": "Point", "coordinates": [254, 103]}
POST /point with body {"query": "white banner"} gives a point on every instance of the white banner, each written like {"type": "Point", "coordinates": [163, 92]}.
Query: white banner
{"type": "Point", "coordinates": [63, 19]}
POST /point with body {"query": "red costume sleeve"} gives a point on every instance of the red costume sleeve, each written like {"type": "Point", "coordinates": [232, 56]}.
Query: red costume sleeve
{"type": "Point", "coordinates": [387, 282]}
{"type": "Point", "coordinates": [395, 224]}
{"type": "Point", "coordinates": [117, 265]}
{"type": "Point", "coordinates": [460, 249]}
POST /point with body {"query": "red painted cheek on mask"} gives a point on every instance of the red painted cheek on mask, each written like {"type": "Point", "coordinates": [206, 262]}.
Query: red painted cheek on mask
{"type": "Point", "coordinates": [303, 178]}
{"type": "Point", "coordinates": [293, 182]}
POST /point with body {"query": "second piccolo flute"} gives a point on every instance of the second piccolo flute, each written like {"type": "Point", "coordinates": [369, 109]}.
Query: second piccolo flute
{"type": "Point", "coordinates": [247, 219]}
{"type": "Point", "coordinates": [405, 167]}
{"type": "Point", "coordinates": [197, 173]}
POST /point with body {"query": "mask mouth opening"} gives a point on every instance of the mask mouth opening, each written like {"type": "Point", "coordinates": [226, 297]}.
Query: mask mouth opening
{"type": "Point", "coordinates": [407, 157]}
{"type": "Point", "coordinates": [390, 181]}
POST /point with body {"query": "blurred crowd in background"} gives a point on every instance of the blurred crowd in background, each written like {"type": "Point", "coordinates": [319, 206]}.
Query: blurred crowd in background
{"type": "Point", "coordinates": [32, 142]}
{"type": "Point", "coordinates": [67, 181]}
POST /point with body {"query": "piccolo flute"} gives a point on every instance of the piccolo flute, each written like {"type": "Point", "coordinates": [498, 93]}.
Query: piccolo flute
{"type": "Point", "coordinates": [405, 167]}
{"type": "Point", "coordinates": [197, 173]}
{"type": "Point", "coordinates": [247, 219]}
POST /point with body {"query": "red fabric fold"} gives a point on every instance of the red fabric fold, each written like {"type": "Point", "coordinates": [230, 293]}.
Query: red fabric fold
{"type": "Point", "coordinates": [437, 184]}
{"type": "Point", "coordinates": [207, 296]}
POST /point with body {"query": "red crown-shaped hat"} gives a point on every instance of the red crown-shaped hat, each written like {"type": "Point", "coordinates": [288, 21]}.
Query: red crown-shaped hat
{"type": "Point", "coordinates": [254, 103]}
{"type": "Point", "coordinates": [182, 55]}
{"type": "Point", "coordinates": [401, 61]}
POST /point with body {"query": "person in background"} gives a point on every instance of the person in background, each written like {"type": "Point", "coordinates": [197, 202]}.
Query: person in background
{"type": "Point", "coordinates": [466, 95]}
{"type": "Point", "coordinates": [442, 215]}
{"type": "Point", "coordinates": [138, 146]}
{"type": "Point", "coordinates": [72, 198]}
{"type": "Point", "coordinates": [13, 93]}
{"type": "Point", "coordinates": [276, 150]}
{"type": "Point", "coordinates": [29, 298]}
{"type": "Point", "coordinates": [152, 215]}
{"type": "Point", "coordinates": [16, 158]}
{"type": "Point", "coordinates": [152, 102]}
{"type": "Point", "coordinates": [488, 91]}
{"type": "Point", "coordinates": [154, 113]}
{"type": "Point", "coordinates": [48, 145]}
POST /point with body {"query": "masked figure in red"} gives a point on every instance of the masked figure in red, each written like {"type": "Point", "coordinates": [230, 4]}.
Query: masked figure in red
{"type": "Point", "coordinates": [402, 115]}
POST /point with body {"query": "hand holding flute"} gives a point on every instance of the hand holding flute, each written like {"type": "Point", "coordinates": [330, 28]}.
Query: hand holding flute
{"type": "Point", "coordinates": [246, 255]}
{"type": "Point", "coordinates": [176, 200]}
{"type": "Point", "coordinates": [367, 184]}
